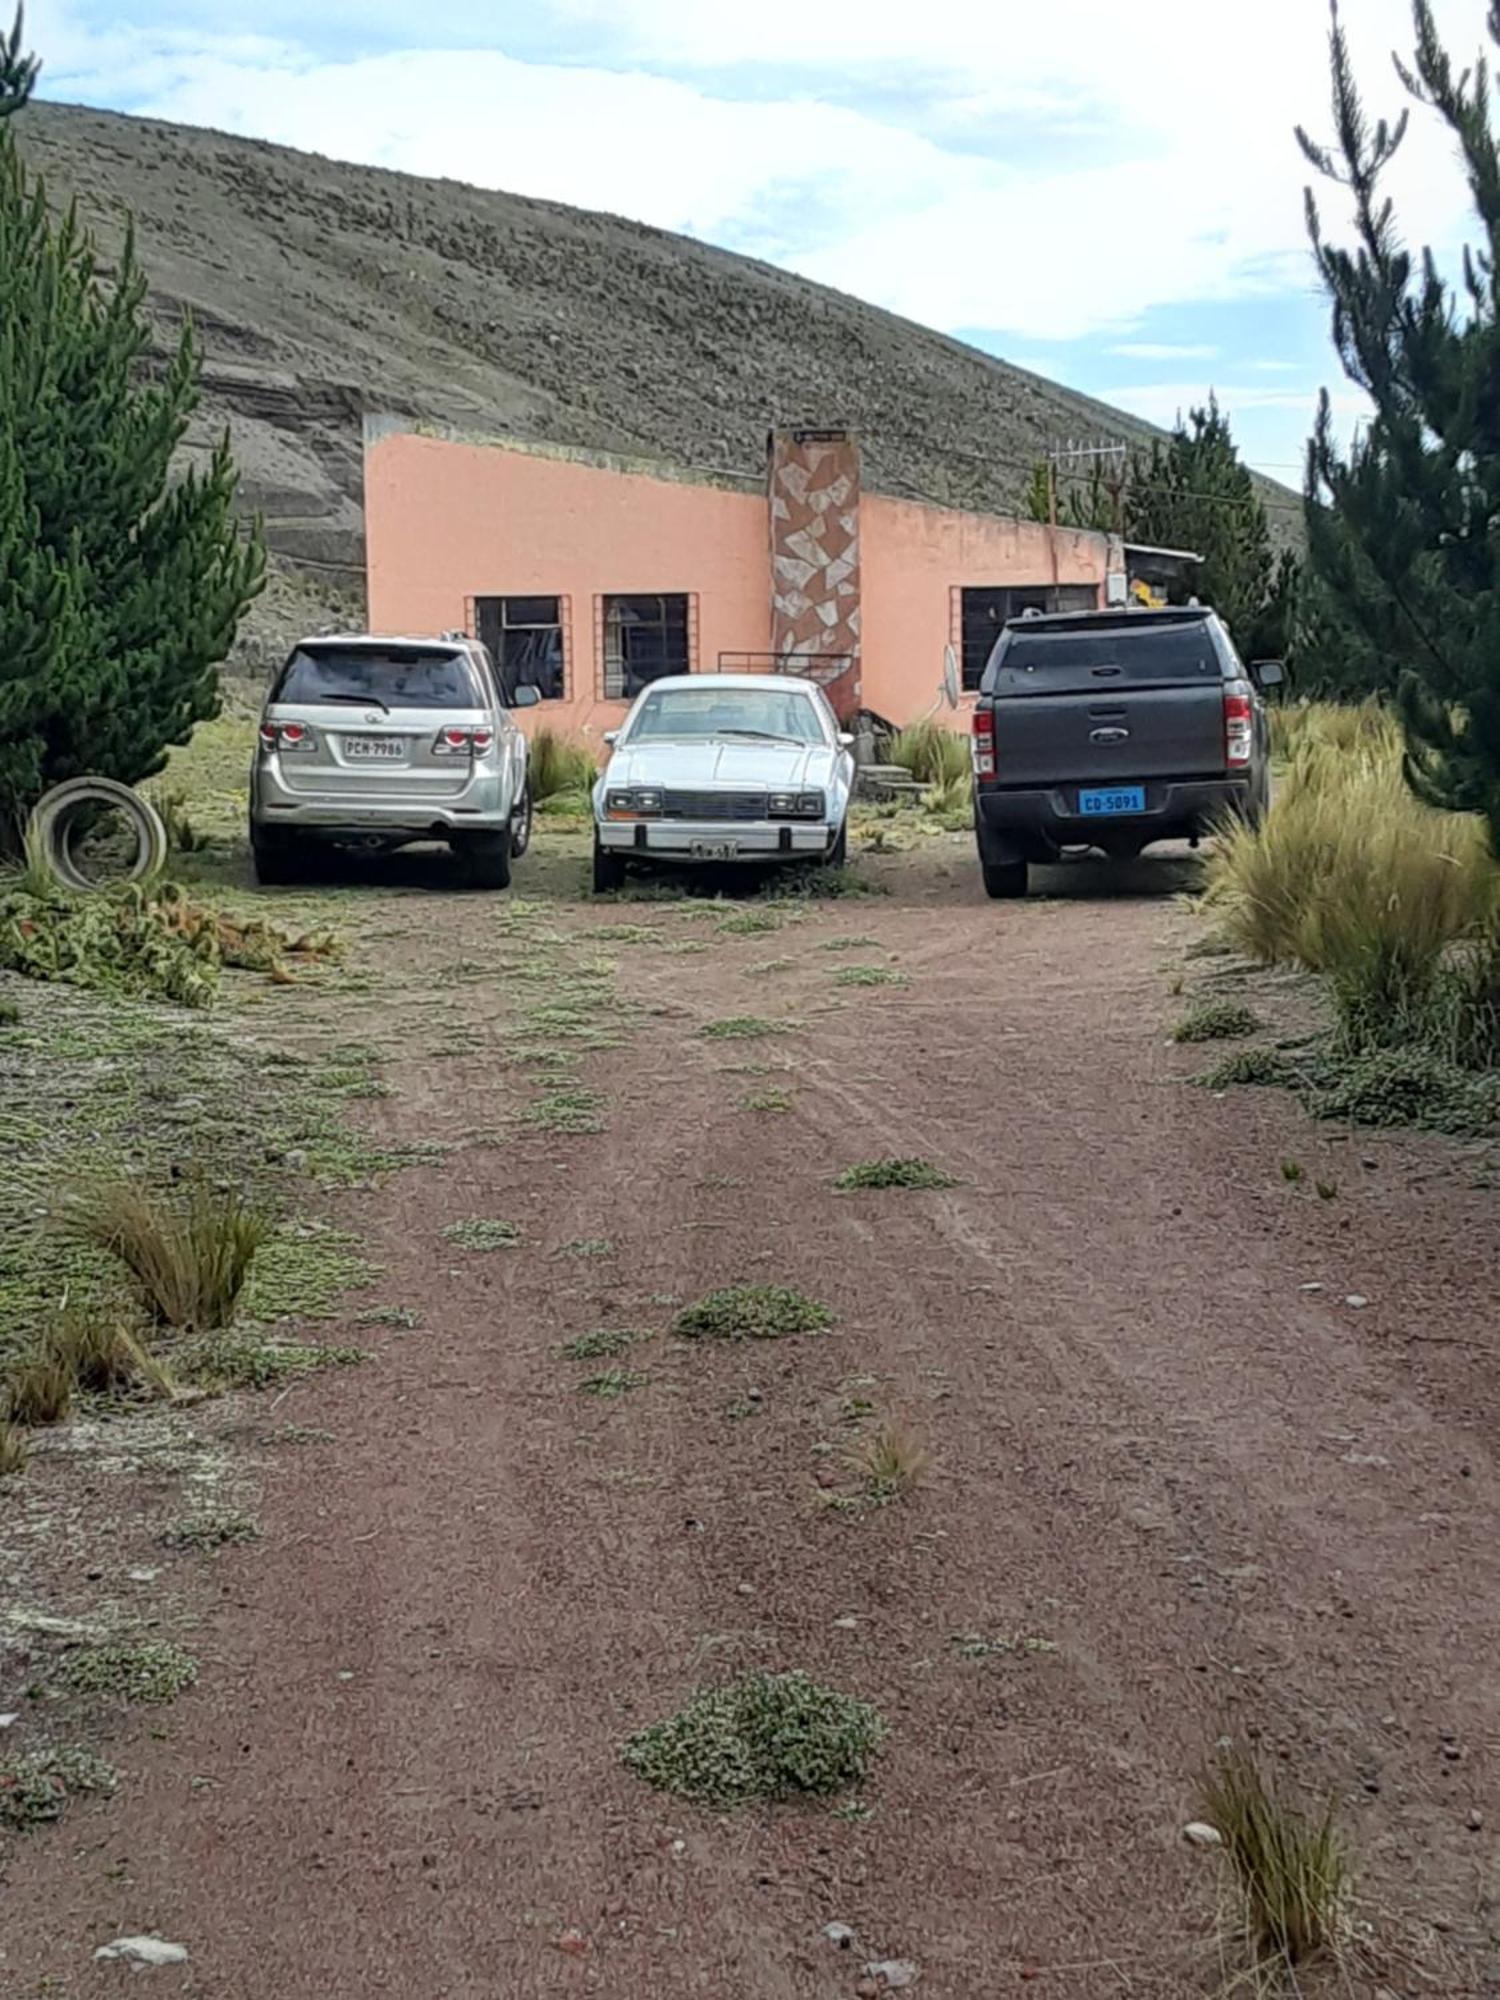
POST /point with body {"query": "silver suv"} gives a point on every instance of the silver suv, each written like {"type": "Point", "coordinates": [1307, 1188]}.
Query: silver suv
{"type": "Point", "coordinates": [373, 743]}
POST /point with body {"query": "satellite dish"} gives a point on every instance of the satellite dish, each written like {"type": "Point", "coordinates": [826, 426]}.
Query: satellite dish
{"type": "Point", "coordinates": [950, 677]}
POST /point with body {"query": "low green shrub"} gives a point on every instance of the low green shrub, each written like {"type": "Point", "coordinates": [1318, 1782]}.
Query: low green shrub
{"type": "Point", "coordinates": [751, 1312]}
{"type": "Point", "coordinates": [893, 1173]}
{"type": "Point", "coordinates": [761, 1736]}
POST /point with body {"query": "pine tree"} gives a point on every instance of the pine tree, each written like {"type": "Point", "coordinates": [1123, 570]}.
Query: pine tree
{"type": "Point", "coordinates": [1404, 526]}
{"type": "Point", "coordinates": [121, 587]}
{"type": "Point", "coordinates": [1193, 491]}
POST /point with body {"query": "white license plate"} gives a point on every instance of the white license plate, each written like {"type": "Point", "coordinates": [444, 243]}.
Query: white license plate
{"type": "Point", "coordinates": [374, 746]}
{"type": "Point", "coordinates": [714, 850]}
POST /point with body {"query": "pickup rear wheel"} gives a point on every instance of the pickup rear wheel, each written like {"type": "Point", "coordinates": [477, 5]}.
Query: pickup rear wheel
{"type": "Point", "coordinates": [1004, 880]}
{"type": "Point", "coordinates": [609, 870]}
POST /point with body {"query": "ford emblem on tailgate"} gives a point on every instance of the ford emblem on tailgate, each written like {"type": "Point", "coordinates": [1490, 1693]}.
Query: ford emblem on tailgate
{"type": "Point", "coordinates": [1108, 735]}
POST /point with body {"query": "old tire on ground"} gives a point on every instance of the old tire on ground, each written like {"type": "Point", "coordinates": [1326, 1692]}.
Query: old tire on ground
{"type": "Point", "coordinates": [56, 816]}
{"type": "Point", "coordinates": [1004, 881]}
{"type": "Point", "coordinates": [485, 860]}
{"type": "Point", "coordinates": [520, 824]}
{"type": "Point", "coordinates": [609, 870]}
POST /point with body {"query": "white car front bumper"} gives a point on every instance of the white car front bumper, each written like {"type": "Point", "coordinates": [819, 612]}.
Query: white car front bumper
{"type": "Point", "coordinates": [717, 840]}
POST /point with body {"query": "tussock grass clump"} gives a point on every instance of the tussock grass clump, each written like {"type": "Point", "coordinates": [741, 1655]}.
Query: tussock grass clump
{"type": "Point", "coordinates": [103, 1357]}
{"type": "Point", "coordinates": [153, 1673]}
{"type": "Point", "coordinates": [36, 1785]}
{"type": "Point", "coordinates": [482, 1233]}
{"type": "Point", "coordinates": [743, 1028]}
{"type": "Point", "coordinates": [12, 1449]}
{"type": "Point", "coordinates": [893, 1173]}
{"type": "Point", "coordinates": [1291, 1873]}
{"type": "Point", "coordinates": [189, 1256]}
{"type": "Point", "coordinates": [761, 1736]}
{"type": "Point", "coordinates": [952, 804]}
{"type": "Point", "coordinates": [1329, 725]}
{"type": "Point", "coordinates": [889, 1462]}
{"type": "Point", "coordinates": [934, 756]}
{"type": "Point", "coordinates": [560, 764]}
{"type": "Point", "coordinates": [1351, 876]}
{"type": "Point", "coordinates": [1217, 1021]}
{"type": "Point", "coordinates": [751, 1312]}
{"type": "Point", "coordinates": [38, 1389]}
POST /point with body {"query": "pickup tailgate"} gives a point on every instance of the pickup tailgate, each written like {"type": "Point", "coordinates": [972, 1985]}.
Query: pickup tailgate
{"type": "Point", "coordinates": [1169, 732]}
{"type": "Point", "coordinates": [1108, 700]}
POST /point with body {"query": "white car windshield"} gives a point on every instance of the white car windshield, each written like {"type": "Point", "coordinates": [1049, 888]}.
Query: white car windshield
{"type": "Point", "coordinates": [780, 715]}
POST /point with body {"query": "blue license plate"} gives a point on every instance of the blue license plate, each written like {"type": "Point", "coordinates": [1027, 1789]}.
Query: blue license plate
{"type": "Point", "coordinates": [1101, 800]}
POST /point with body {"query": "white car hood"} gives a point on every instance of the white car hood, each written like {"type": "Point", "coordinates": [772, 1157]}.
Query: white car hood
{"type": "Point", "coordinates": [736, 765]}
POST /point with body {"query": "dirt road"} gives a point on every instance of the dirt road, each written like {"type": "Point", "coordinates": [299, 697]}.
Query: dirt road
{"type": "Point", "coordinates": [1226, 1502]}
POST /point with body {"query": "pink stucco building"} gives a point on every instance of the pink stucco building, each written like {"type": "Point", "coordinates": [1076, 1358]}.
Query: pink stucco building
{"type": "Point", "coordinates": [589, 575]}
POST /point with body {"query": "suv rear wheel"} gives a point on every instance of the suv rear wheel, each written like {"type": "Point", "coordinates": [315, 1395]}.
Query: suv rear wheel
{"type": "Point", "coordinates": [276, 859]}
{"type": "Point", "coordinates": [520, 824]}
{"type": "Point", "coordinates": [1004, 880]}
{"type": "Point", "coordinates": [485, 859]}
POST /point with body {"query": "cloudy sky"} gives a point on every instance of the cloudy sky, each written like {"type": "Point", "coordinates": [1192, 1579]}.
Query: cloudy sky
{"type": "Point", "coordinates": [1109, 194]}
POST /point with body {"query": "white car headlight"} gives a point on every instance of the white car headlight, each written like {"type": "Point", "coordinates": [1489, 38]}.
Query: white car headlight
{"type": "Point", "coordinates": [795, 805]}
{"type": "Point", "coordinates": [636, 802]}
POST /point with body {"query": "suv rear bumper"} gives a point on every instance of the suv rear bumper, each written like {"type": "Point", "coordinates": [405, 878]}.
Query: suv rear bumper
{"type": "Point", "coordinates": [481, 806]}
{"type": "Point", "coordinates": [1025, 825]}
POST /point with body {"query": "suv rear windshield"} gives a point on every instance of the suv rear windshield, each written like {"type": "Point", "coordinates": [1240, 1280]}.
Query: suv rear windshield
{"type": "Point", "coordinates": [398, 676]}
{"type": "Point", "coordinates": [1060, 659]}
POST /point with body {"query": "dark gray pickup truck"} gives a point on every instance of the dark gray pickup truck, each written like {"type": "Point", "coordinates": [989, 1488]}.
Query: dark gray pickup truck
{"type": "Point", "coordinates": [1113, 729]}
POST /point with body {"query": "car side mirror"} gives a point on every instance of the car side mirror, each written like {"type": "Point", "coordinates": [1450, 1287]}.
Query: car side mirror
{"type": "Point", "coordinates": [611, 738]}
{"type": "Point", "coordinates": [525, 696]}
{"type": "Point", "coordinates": [846, 741]}
{"type": "Point", "coordinates": [1269, 673]}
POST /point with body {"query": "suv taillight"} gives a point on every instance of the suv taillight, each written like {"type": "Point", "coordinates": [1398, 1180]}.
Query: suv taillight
{"type": "Point", "coordinates": [286, 736]}
{"type": "Point", "coordinates": [1239, 726]}
{"type": "Point", "coordinates": [982, 745]}
{"type": "Point", "coordinates": [460, 739]}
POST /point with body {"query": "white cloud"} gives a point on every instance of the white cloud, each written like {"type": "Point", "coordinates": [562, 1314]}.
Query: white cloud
{"type": "Point", "coordinates": [1162, 350]}
{"type": "Point", "coordinates": [962, 198]}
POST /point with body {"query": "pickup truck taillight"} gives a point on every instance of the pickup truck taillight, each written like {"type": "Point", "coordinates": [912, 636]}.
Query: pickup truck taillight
{"type": "Point", "coordinates": [1239, 727]}
{"type": "Point", "coordinates": [982, 746]}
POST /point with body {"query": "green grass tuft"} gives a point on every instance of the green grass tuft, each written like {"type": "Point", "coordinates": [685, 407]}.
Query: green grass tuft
{"type": "Point", "coordinates": [743, 1028]}
{"type": "Point", "coordinates": [601, 1343]}
{"type": "Point", "coordinates": [152, 1673]}
{"type": "Point", "coordinates": [36, 1785]}
{"type": "Point", "coordinates": [247, 1360]}
{"type": "Point", "coordinates": [1217, 1021]}
{"type": "Point", "coordinates": [482, 1233]}
{"type": "Point", "coordinates": [761, 1736]}
{"type": "Point", "coordinates": [586, 1246]}
{"type": "Point", "coordinates": [1291, 1873]}
{"type": "Point", "coordinates": [206, 1532]}
{"type": "Point", "coordinates": [612, 1382]}
{"type": "Point", "coordinates": [1254, 1066]}
{"type": "Point", "coordinates": [188, 1256]}
{"type": "Point", "coordinates": [893, 1173]}
{"type": "Point", "coordinates": [751, 1312]}
{"type": "Point", "coordinates": [769, 1099]}
{"type": "Point", "coordinates": [869, 975]}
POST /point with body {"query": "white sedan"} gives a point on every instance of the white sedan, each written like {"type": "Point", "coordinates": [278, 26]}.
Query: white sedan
{"type": "Point", "coordinates": [723, 767]}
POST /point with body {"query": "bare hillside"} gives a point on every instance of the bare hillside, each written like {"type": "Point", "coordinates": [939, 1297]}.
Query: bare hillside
{"type": "Point", "coordinates": [322, 290]}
